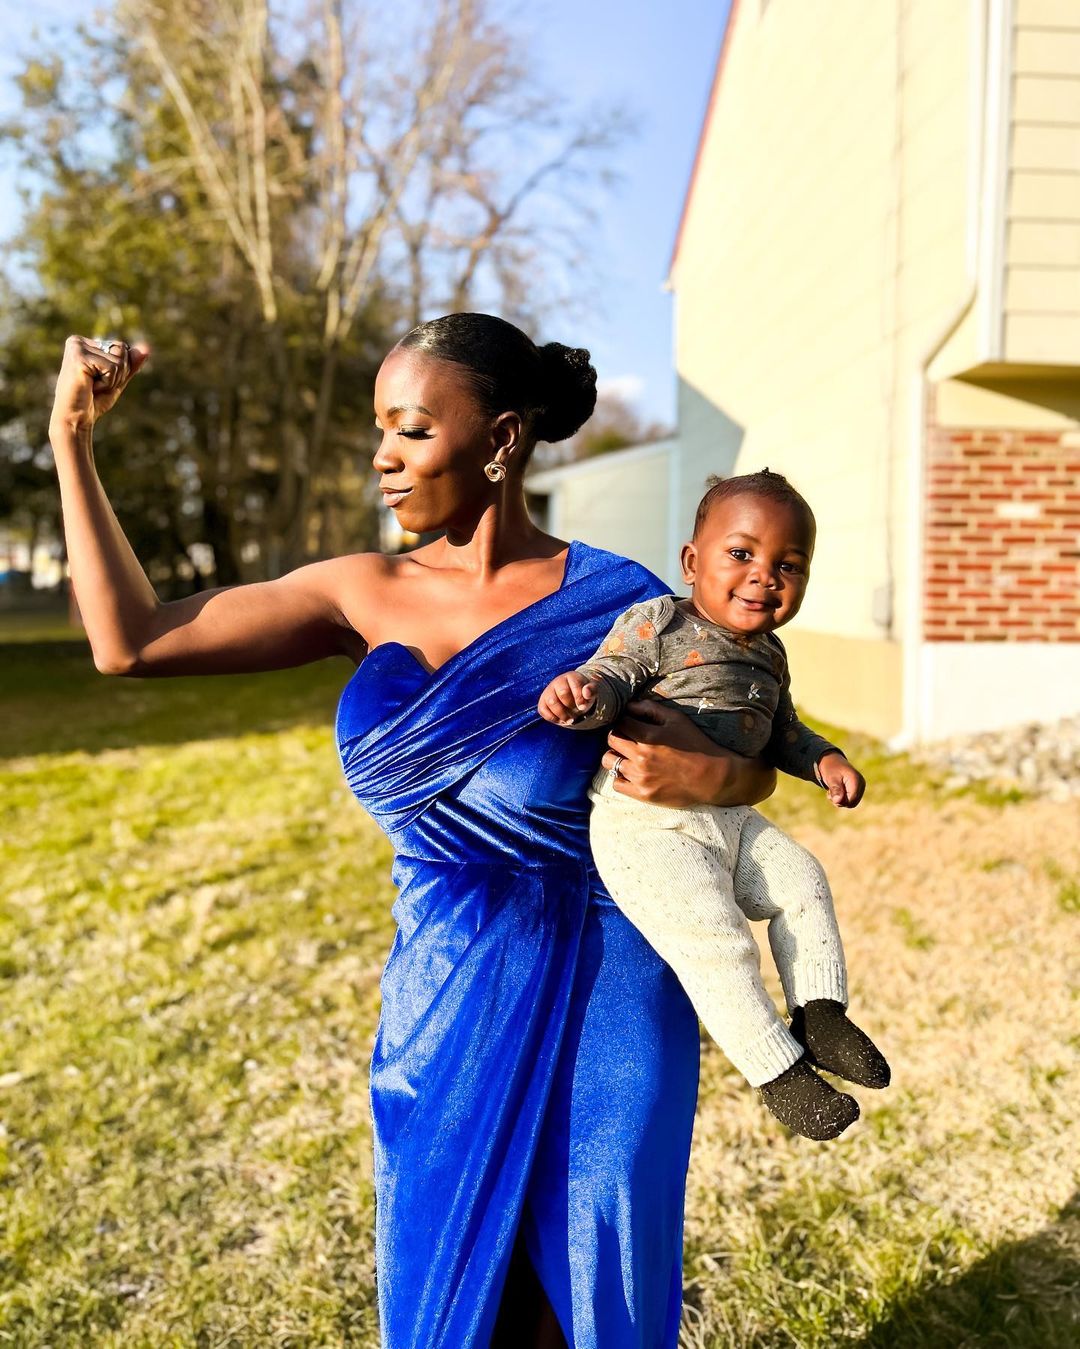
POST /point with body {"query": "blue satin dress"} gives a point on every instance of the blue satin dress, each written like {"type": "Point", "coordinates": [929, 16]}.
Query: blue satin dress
{"type": "Point", "coordinates": [535, 1066]}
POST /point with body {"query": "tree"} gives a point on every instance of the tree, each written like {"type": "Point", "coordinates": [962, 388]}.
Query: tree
{"type": "Point", "coordinates": [615, 425]}
{"type": "Point", "coordinates": [114, 246]}
{"type": "Point", "coordinates": [273, 200]}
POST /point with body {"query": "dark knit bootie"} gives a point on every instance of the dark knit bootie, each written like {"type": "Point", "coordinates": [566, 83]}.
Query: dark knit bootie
{"type": "Point", "coordinates": [807, 1104]}
{"type": "Point", "coordinates": [836, 1044]}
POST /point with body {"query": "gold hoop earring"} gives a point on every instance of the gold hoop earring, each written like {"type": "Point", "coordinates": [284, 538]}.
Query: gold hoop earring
{"type": "Point", "coordinates": [495, 471]}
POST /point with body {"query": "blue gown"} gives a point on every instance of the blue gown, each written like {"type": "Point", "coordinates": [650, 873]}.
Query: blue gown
{"type": "Point", "coordinates": [535, 1066]}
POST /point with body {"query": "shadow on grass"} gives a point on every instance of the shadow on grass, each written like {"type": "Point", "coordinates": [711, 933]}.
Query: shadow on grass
{"type": "Point", "coordinates": [53, 701]}
{"type": "Point", "coordinates": [1023, 1295]}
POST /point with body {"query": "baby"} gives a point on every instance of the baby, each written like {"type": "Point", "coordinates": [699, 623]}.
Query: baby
{"type": "Point", "coordinates": [690, 878]}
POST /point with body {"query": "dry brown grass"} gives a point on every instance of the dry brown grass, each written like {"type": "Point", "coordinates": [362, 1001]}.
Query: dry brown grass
{"type": "Point", "coordinates": [962, 940]}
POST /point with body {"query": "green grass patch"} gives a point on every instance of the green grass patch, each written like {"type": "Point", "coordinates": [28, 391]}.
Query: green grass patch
{"type": "Point", "coordinates": [1020, 1295]}
{"type": "Point", "coordinates": [987, 794]}
{"type": "Point", "coordinates": [47, 625]}
{"type": "Point", "coordinates": [1068, 887]}
{"type": "Point", "coordinates": [890, 777]}
{"type": "Point", "coordinates": [1068, 896]}
{"type": "Point", "coordinates": [193, 937]}
{"type": "Point", "coordinates": [54, 701]}
{"type": "Point", "coordinates": [818, 1266]}
{"type": "Point", "coordinates": [193, 918]}
{"type": "Point", "coordinates": [915, 935]}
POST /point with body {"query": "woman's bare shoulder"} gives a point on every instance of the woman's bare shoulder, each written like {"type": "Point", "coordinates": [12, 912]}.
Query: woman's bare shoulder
{"type": "Point", "coordinates": [354, 567]}
{"type": "Point", "coordinates": [362, 586]}
{"type": "Point", "coordinates": [372, 566]}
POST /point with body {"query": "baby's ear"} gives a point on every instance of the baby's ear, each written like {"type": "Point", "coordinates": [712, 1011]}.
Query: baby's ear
{"type": "Point", "coordinates": [688, 559]}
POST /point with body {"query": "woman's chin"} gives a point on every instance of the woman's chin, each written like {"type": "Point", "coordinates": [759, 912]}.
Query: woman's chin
{"type": "Point", "coordinates": [413, 522]}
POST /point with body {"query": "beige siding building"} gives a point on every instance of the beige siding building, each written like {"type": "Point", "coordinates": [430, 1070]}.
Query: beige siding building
{"type": "Point", "coordinates": [877, 292]}
{"type": "Point", "coordinates": [624, 501]}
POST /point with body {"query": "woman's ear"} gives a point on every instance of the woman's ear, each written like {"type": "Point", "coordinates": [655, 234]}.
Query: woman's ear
{"type": "Point", "coordinates": [506, 432]}
{"type": "Point", "coordinates": [688, 558]}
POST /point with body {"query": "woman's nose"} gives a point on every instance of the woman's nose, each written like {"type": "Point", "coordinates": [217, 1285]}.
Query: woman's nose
{"type": "Point", "coordinates": [386, 458]}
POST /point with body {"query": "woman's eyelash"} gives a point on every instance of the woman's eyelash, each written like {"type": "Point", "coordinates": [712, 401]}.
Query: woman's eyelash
{"type": "Point", "coordinates": [413, 432]}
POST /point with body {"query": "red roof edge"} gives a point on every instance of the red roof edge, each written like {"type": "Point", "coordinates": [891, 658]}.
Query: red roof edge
{"type": "Point", "coordinates": [725, 43]}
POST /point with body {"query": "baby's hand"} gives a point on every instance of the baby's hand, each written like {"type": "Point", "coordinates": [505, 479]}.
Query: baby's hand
{"type": "Point", "coordinates": [566, 698]}
{"type": "Point", "coordinates": [843, 781]}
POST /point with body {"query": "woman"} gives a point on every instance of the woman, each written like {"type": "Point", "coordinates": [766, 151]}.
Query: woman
{"type": "Point", "coordinates": [535, 1068]}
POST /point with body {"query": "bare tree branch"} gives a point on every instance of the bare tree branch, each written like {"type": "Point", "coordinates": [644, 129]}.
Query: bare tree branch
{"type": "Point", "coordinates": [339, 177]}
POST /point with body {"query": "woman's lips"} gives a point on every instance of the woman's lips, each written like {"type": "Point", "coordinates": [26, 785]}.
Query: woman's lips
{"type": "Point", "coordinates": [394, 496]}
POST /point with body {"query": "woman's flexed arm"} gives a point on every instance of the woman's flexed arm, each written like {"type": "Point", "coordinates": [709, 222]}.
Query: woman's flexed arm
{"type": "Point", "coordinates": [254, 627]}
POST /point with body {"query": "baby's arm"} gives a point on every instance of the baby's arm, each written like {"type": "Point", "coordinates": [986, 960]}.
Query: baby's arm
{"type": "Point", "coordinates": [596, 693]}
{"type": "Point", "coordinates": [795, 749]}
{"type": "Point", "coordinates": [842, 781]}
{"type": "Point", "coordinates": [569, 701]}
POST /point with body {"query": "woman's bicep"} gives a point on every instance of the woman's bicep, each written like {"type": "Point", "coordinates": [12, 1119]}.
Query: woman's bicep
{"type": "Point", "coordinates": [267, 625]}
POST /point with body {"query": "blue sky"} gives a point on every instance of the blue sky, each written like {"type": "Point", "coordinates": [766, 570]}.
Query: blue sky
{"type": "Point", "coordinates": [659, 59]}
{"type": "Point", "coordinates": [656, 58]}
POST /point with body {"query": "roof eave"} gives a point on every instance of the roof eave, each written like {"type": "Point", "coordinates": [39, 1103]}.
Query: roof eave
{"type": "Point", "coordinates": [725, 43]}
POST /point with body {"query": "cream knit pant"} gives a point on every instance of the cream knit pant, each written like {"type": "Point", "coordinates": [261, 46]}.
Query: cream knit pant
{"type": "Point", "coordinates": [689, 879]}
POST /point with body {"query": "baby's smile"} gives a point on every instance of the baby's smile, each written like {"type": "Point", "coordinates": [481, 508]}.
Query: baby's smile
{"type": "Point", "coordinates": [748, 563]}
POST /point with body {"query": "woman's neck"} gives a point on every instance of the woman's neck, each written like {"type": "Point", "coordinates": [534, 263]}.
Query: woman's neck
{"type": "Point", "coordinates": [503, 533]}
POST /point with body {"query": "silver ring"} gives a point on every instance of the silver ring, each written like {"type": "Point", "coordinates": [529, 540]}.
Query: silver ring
{"type": "Point", "coordinates": [620, 759]}
{"type": "Point", "coordinates": [106, 344]}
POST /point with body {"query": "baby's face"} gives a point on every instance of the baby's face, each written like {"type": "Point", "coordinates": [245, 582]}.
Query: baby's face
{"type": "Point", "coordinates": [749, 565]}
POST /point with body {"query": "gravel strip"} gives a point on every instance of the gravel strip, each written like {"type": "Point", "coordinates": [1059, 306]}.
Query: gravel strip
{"type": "Point", "coordinates": [1042, 760]}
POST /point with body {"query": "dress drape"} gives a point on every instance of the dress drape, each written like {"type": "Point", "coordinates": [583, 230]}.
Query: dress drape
{"type": "Point", "coordinates": [535, 1065]}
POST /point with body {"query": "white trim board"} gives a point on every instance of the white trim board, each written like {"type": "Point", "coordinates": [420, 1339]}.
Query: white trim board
{"type": "Point", "coordinates": [968, 687]}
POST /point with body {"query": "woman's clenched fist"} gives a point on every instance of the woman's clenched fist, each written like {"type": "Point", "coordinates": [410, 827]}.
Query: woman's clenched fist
{"type": "Point", "coordinates": [92, 377]}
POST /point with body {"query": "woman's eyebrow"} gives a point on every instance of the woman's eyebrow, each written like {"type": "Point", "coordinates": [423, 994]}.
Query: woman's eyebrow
{"type": "Point", "coordinates": [408, 407]}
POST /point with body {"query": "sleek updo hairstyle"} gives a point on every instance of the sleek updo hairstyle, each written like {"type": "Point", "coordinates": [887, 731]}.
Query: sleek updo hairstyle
{"type": "Point", "coordinates": [552, 388]}
{"type": "Point", "coordinates": [771, 486]}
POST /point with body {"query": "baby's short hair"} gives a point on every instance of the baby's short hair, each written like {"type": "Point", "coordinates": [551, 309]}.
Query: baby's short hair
{"type": "Point", "coordinates": [764, 483]}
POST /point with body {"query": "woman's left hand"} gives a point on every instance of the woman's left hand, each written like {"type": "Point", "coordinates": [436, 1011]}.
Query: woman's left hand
{"type": "Point", "coordinates": [664, 758]}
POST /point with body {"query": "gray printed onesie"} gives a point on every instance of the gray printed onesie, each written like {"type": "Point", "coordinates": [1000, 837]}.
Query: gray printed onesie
{"type": "Point", "coordinates": [690, 878]}
{"type": "Point", "coordinates": [735, 687]}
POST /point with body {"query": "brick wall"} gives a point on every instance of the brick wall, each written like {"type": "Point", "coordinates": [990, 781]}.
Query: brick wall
{"type": "Point", "coordinates": [1002, 536]}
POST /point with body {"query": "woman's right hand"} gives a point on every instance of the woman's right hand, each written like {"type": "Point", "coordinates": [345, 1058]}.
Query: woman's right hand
{"type": "Point", "coordinates": [661, 756]}
{"type": "Point", "coordinates": [91, 380]}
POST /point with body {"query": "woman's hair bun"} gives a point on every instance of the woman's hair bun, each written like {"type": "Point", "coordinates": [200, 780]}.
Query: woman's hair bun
{"type": "Point", "coordinates": [569, 391]}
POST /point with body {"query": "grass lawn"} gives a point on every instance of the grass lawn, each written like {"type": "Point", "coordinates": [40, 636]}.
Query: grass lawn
{"type": "Point", "coordinates": [193, 916]}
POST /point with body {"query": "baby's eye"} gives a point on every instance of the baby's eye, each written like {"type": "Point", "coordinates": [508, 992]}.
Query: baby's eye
{"type": "Point", "coordinates": [792, 567]}
{"type": "Point", "coordinates": [740, 554]}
